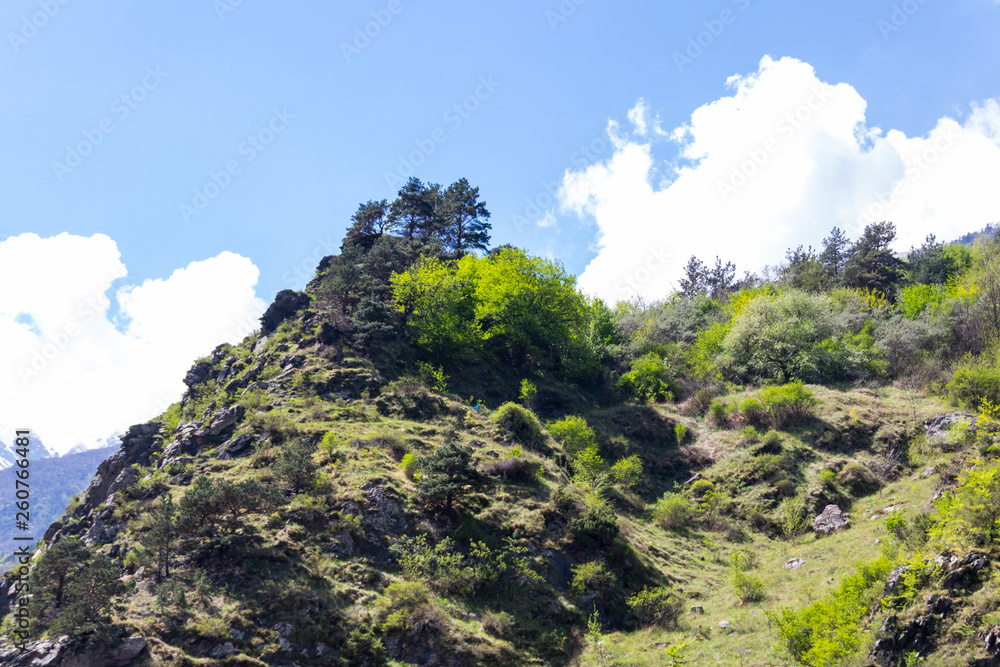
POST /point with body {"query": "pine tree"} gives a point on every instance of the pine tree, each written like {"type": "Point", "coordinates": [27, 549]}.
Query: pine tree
{"type": "Point", "coordinates": [413, 214]}
{"type": "Point", "coordinates": [872, 264]}
{"type": "Point", "coordinates": [162, 535]}
{"type": "Point", "coordinates": [295, 466]}
{"type": "Point", "coordinates": [695, 278]}
{"type": "Point", "coordinates": [466, 218]}
{"type": "Point", "coordinates": [368, 224]}
{"type": "Point", "coordinates": [447, 472]}
{"type": "Point", "coordinates": [836, 252]}
{"type": "Point", "coordinates": [720, 279]}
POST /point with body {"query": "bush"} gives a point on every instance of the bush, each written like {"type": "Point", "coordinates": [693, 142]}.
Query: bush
{"type": "Point", "coordinates": [974, 382]}
{"type": "Point", "coordinates": [660, 606]}
{"type": "Point", "coordinates": [520, 424]}
{"type": "Point", "coordinates": [748, 587]}
{"type": "Point", "coordinates": [597, 526]}
{"type": "Point", "coordinates": [574, 434]}
{"type": "Point", "coordinates": [793, 516]}
{"type": "Point", "coordinates": [627, 472]}
{"type": "Point", "coordinates": [517, 470]}
{"type": "Point", "coordinates": [528, 392]}
{"type": "Point", "coordinates": [744, 560]}
{"type": "Point", "coordinates": [895, 524]}
{"type": "Point", "coordinates": [857, 479]}
{"type": "Point", "coordinates": [755, 413]}
{"type": "Point", "coordinates": [673, 512]}
{"type": "Point", "coordinates": [498, 624]}
{"type": "Point", "coordinates": [295, 466]}
{"type": "Point", "coordinates": [650, 379]}
{"type": "Point", "coordinates": [718, 413]}
{"type": "Point", "coordinates": [592, 577]}
{"type": "Point", "coordinates": [410, 465]}
{"type": "Point", "coordinates": [328, 446]}
{"type": "Point", "coordinates": [681, 433]}
{"type": "Point", "coordinates": [701, 488]}
{"type": "Point", "coordinates": [787, 404]}
{"type": "Point", "coordinates": [589, 466]}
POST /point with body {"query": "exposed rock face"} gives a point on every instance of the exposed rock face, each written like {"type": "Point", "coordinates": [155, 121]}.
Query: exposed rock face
{"type": "Point", "coordinates": [939, 428]}
{"type": "Point", "coordinates": [56, 654]}
{"type": "Point", "coordinates": [831, 520]}
{"type": "Point", "coordinates": [286, 303]}
{"type": "Point", "coordinates": [962, 574]}
{"type": "Point", "coordinates": [199, 373]}
{"type": "Point", "coordinates": [794, 564]}
{"type": "Point", "coordinates": [236, 447]}
{"type": "Point", "coordinates": [224, 419]}
{"type": "Point", "coordinates": [916, 636]}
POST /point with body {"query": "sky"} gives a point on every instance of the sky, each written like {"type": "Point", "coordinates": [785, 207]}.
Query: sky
{"type": "Point", "coordinates": [167, 168]}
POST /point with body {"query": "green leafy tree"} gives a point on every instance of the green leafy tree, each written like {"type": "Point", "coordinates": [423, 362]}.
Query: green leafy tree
{"type": "Point", "coordinates": [804, 271]}
{"type": "Point", "coordinates": [447, 473]}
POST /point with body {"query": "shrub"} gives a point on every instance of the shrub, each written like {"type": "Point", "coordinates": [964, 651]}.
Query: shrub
{"type": "Point", "coordinates": [974, 382]}
{"type": "Point", "coordinates": [700, 488]}
{"type": "Point", "coordinates": [597, 526]}
{"type": "Point", "coordinates": [650, 379]}
{"type": "Point", "coordinates": [520, 424]}
{"type": "Point", "coordinates": [754, 412]}
{"type": "Point", "coordinates": [701, 401]}
{"type": "Point", "coordinates": [591, 577]}
{"type": "Point", "coordinates": [410, 465]}
{"type": "Point", "coordinates": [448, 473]}
{"type": "Point", "coordinates": [748, 587]}
{"type": "Point", "coordinates": [328, 446]}
{"type": "Point", "coordinates": [744, 560]}
{"type": "Point", "coordinates": [407, 605]}
{"type": "Point", "coordinates": [681, 433]}
{"type": "Point", "coordinates": [627, 472]}
{"type": "Point", "coordinates": [718, 413]}
{"type": "Point", "coordinates": [789, 403]}
{"type": "Point", "coordinates": [828, 479]}
{"type": "Point", "coordinates": [972, 512]}
{"type": "Point", "coordinates": [518, 470]}
{"type": "Point", "coordinates": [793, 516]}
{"type": "Point", "coordinates": [295, 466]}
{"type": "Point", "coordinates": [895, 524]}
{"type": "Point", "coordinates": [528, 392]}
{"type": "Point", "coordinates": [498, 624]}
{"type": "Point", "coordinates": [589, 466]}
{"type": "Point", "coordinates": [659, 606]}
{"type": "Point", "coordinates": [574, 434]}
{"type": "Point", "coordinates": [673, 511]}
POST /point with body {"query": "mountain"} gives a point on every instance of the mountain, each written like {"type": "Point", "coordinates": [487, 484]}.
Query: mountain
{"type": "Point", "coordinates": [38, 450]}
{"type": "Point", "coordinates": [432, 457]}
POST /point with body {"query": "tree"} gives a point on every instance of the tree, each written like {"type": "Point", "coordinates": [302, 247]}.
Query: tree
{"type": "Point", "coordinates": [369, 223]}
{"type": "Point", "coordinates": [720, 279]}
{"type": "Point", "coordinates": [162, 535]}
{"type": "Point", "coordinates": [466, 218]}
{"type": "Point", "coordinates": [930, 264]}
{"type": "Point", "coordinates": [295, 465]}
{"type": "Point", "coordinates": [695, 279]}
{"type": "Point", "coordinates": [872, 264]}
{"type": "Point", "coordinates": [836, 252]}
{"type": "Point", "coordinates": [447, 472]}
{"type": "Point", "coordinates": [803, 270]}
{"type": "Point", "coordinates": [413, 213]}
{"type": "Point", "coordinates": [50, 578]}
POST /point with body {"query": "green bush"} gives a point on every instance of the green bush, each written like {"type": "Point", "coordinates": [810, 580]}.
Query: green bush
{"type": "Point", "coordinates": [597, 526]}
{"type": "Point", "coordinates": [627, 472]}
{"type": "Point", "coordinates": [974, 382]}
{"type": "Point", "coordinates": [650, 379]}
{"type": "Point", "coordinates": [745, 560]}
{"type": "Point", "coordinates": [520, 424]}
{"type": "Point", "coordinates": [528, 392]}
{"type": "Point", "coordinates": [591, 577]}
{"type": "Point", "coordinates": [858, 479]}
{"type": "Point", "coordinates": [755, 413]}
{"type": "Point", "coordinates": [718, 413]}
{"type": "Point", "coordinates": [700, 488]}
{"type": "Point", "coordinates": [787, 404]}
{"type": "Point", "coordinates": [680, 433]}
{"type": "Point", "coordinates": [673, 512]}
{"type": "Point", "coordinates": [660, 606]}
{"type": "Point", "coordinates": [410, 465]}
{"type": "Point", "coordinates": [895, 524]}
{"type": "Point", "coordinates": [574, 434]}
{"type": "Point", "coordinates": [748, 587]}
{"type": "Point", "coordinates": [328, 446]}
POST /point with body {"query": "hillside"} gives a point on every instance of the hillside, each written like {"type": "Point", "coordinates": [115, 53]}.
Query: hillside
{"type": "Point", "coordinates": [438, 457]}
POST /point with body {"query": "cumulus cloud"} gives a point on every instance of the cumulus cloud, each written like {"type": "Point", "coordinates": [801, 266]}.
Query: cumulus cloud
{"type": "Point", "coordinates": [778, 163]}
{"type": "Point", "coordinates": [86, 354]}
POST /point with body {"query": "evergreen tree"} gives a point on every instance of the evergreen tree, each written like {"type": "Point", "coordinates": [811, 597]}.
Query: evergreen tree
{"type": "Point", "coordinates": [720, 279]}
{"type": "Point", "coordinates": [89, 602]}
{"type": "Point", "coordinates": [930, 264]}
{"type": "Point", "coordinates": [836, 252]}
{"type": "Point", "coordinates": [50, 578]}
{"type": "Point", "coordinates": [872, 264]}
{"type": "Point", "coordinates": [368, 224]}
{"type": "Point", "coordinates": [466, 218]}
{"type": "Point", "coordinates": [413, 214]}
{"type": "Point", "coordinates": [162, 535]}
{"type": "Point", "coordinates": [803, 270]}
{"type": "Point", "coordinates": [246, 497]}
{"type": "Point", "coordinates": [295, 466]}
{"type": "Point", "coordinates": [695, 278]}
{"type": "Point", "coordinates": [447, 472]}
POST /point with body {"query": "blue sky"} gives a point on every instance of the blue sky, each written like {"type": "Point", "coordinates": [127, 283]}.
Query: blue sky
{"type": "Point", "coordinates": [183, 86]}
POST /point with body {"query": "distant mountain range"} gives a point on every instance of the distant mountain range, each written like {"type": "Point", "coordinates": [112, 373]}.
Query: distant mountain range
{"type": "Point", "coordinates": [37, 450]}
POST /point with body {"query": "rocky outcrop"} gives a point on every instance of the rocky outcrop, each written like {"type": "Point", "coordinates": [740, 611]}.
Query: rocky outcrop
{"type": "Point", "coordinates": [917, 636]}
{"type": "Point", "coordinates": [940, 428]}
{"type": "Point", "coordinates": [199, 373]}
{"type": "Point", "coordinates": [58, 654]}
{"type": "Point", "coordinates": [830, 521]}
{"type": "Point", "coordinates": [286, 303]}
{"type": "Point", "coordinates": [225, 419]}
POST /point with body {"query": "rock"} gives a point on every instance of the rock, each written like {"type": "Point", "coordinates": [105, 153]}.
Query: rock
{"type": "Point", "coordinates": [794, 564]}
{"type": "Point", "coordinates": [328, 335]}
{"type": "Point", "coordinates": [224, 419]}
{"type": "Point", "coordinates": [236, 447]}
{"type": "Point", "coordinates": [831, 520]}
{"type": "Point", "coordinates": [895, 579]}
{"type": "Point", "coordinates": [697, 609]}
{"type": "Point", "coordinates": [222, 650]}
{"type": "Point", "coordinates": [927, 472]}
{"type": "Point", "coordinates": [939, 428]}
{"type": "Point", "coordinates": [991, 641]}
{"type": "Point", "coordinates": [198, 373]}
{"type": "Point", "coordinates": [724, 624]}
{"type": "Point", "coordinates": [128, 650]}
{"type": "Point", "coordinates": [286, 303]}
{"type": "Point", "coordinates": [560, 569]}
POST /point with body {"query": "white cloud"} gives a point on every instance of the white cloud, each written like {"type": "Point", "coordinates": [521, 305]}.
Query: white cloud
{"type": "Point", "coordinates": [778, 163]}
{"type": "Point", "coordinates": [74, 372]}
